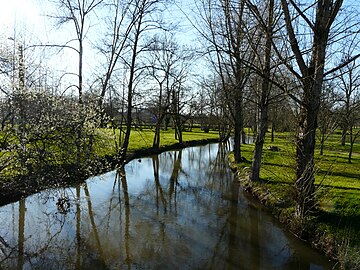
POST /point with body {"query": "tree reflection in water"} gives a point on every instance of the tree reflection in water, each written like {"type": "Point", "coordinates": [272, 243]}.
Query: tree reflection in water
{"type": "Point", "coordinates": [178, 210]}
{"type": "Point", "coordinates": [78, 229]}
{"type": "Point", "coordinates": [21, 237]}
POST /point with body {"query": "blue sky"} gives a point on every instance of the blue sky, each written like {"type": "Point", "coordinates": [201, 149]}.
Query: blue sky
{"type": "Point", "coordinates": [25, 21]}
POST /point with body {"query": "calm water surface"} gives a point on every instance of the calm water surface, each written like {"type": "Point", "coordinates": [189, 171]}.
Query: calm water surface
{"type": "Point", "coordinates": [178, 210]}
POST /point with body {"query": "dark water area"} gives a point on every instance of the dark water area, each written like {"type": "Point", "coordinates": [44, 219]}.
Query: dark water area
{"type": "Point", "coordinates": [178, 210]}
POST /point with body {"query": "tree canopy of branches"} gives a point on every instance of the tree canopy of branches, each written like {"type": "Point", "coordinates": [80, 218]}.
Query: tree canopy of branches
{"type": "Point", "coordinates": [297, 40]}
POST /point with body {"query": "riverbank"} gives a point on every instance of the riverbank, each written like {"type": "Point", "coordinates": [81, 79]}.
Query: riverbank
{"type": "Point", "coordinates": [333, 227]}
{"type": "Point", "coordinates": [105, 159]}
{"type": "Point", "coordinates": [177, 210]}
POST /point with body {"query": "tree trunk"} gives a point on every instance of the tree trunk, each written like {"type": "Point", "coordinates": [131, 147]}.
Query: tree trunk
{"type": "Point", "coordinates": [130, 91]}
{"type": "Point", "coordinates": [160, 117]}
{"type": "Point", "coordinates": [350, 152]}
{"type": "Point", "coordinates": [322, 142]}
{"type": "Point", "coordinates": [79, 135]}
{"type": "Point", "coordinates": [343, 136]}
{"type": "Point", "coordinates": [351, 144]}
{"type": "Point", "coordinates": [305, 146]}
{"type": "Point", "coordinates": [264, 103]}
{"type": "Point", "coordinates": [100, 101]}
{"type": "Point", "coordinates": [223, 132]}
{"type": "Point", "coordinates": [156, 141]}
{"type": "Point", "coordinates": [312, 74]}
{"type": "Point", "coordinates": [179, 134]}
{"type": "Point", "coordinates": [259, 144]}
{"type": "Point", "coordinates": [238, 130]}
{"type": "Point", "coordinates": [80, 82]}
{"type": "Point", "coordinates": [178, 126]}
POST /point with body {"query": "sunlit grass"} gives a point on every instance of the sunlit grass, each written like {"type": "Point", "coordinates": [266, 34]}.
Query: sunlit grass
{"type": "Point", "coordinates": [105, 143]}
{"type": "Point", "coordinates": [337, 181]}
{"type": "Point", "coordinates": [143, 139]}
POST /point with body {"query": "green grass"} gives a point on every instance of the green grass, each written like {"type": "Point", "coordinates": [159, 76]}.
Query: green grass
{"type": "Point", "coordinates": [59, 154]}
{"type": "Point", "coordinates": [337, 182]}
{"type": "Point", "coordinates": [142, 139]}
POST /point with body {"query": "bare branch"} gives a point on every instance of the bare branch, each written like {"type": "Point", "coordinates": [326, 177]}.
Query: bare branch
{"type": "Point", "coordinates": [293, 40]}
{"type": "Point", "coordinates": [344, 64]}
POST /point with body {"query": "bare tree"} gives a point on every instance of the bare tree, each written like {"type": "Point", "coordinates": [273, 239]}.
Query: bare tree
{"type": "Point", "coordinates": [349, 99]}
{"type": "Point", "coordinates": [212, 103]}
{"type": "Point", "coordinates": [327, 118]}
{"type": "Point", "coordinates": [309, 53]}
{"type": "Point", "coordinates": [77, 12]}
{"type": "Point", "coordinates": [120, 23]}
{"type": "Point", "coordinates": [177, 105]}
{"type": "Point", "coordinates": [167, 65]}
{"type": "Point", "coordinates": [145, 12]}
{"type": "Point", "coordinates": [161, 64]}
{"type": "Point", "coordinates": [267, 25]}
{"type": "Point", "coordinates": [179, 90]}
{"type": "Point", "coordinates": [228, 26]}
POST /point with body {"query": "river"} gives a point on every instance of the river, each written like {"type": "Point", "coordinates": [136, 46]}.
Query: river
{"type": "Point", "coordinates": [177, 210]}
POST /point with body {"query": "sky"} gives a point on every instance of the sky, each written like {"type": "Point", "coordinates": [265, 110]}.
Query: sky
{"type": "Point", "coordinates": [34, 27]}
{"type": "Point", "coordinates": [24, 14]}
{"type": "Point", "coordinates": [24, 22]}
{"type": "Point", "coordinates": [18, 8]}
{"type": "Point", "coordinates": [30, 15]}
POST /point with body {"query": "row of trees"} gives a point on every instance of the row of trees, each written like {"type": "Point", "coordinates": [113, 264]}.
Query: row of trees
{"type": "Point", "coordinates": [39, 112]}
{"type": "Point", "coordinates": [270, 61]}
{"type": "Point", "coordinates": [271, 52]}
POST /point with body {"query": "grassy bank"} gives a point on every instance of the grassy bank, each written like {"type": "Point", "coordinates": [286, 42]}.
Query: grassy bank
{"type": "Point", "coordinates": [14, 184]}
{"type": "Point", "coordinates": [143, 139]}
{"type": "Point", "coordinates": [335, 224]}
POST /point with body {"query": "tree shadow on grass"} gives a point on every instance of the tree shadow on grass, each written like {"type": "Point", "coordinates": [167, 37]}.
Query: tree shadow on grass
{"type": "Point", "coordinates": [353, 175]}
{"type": "Point", "coordinates": [344, 225]}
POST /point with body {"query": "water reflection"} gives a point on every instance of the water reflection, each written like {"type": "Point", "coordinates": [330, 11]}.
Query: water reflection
{"type": "Point", "coordinates": [178, 210]}
{"type": "Point", "coordinates": [78, 229]}
{"type": "Point", "coordinates": [21, 238]}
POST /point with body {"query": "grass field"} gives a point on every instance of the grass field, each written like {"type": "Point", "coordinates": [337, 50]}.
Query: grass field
{"type": "Point", "coordinates": [142, 139]}
{"type": "Point", "coordinates": [337, 185]}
